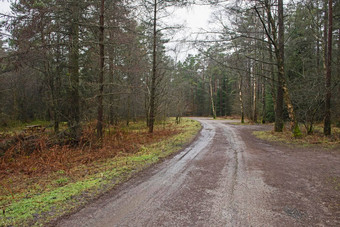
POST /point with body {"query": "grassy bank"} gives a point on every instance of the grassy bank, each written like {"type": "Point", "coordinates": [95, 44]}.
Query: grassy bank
{"type": "Point", "coordinates": [317, 138]}
{"type": "Point", "coordinates": [37, 197]}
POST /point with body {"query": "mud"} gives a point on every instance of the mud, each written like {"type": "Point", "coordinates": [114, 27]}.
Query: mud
{"type": "Point", "coordinates": [226, 177]}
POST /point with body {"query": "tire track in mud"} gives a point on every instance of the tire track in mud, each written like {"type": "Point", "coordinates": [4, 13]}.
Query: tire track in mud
{"type": "Point", "coordinates": [207, 184]}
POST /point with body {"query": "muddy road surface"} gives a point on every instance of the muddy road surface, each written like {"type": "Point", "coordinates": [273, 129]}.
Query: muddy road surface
{"type": "Point", "coordinates": [226, 177]}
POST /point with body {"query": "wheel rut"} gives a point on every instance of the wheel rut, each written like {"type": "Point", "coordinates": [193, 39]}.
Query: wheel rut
{"type": "Point", "coordinates": [219, 180]}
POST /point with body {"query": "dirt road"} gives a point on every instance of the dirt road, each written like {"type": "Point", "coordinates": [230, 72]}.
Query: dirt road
{"type": "Point", "coordinates": [226, 177]}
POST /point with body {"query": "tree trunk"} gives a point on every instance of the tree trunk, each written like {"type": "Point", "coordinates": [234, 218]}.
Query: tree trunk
{"type": "Point", "coordinates": [271, 60]}
{"type": "Point", "coordinates": [254, 98]}
{"type": "Point", "coordinates": [212, 99]}
{"type": "Point", "coordinates": [327, 121]}
{"type": "Point", "coordinates": [282, 89]}
{"type": "Point", "coordinates": [74, 118]}
{"type": "Point", "coordinates": [49, 74]}
{"type": "Point", "coordinates": [128, 112]}
{"type": "Point", "coordinates": [290, 108]}
{"type": "Point", "coordinates": [283, 93]}
{"type": "Point", "coordinates": [318, 27]}
{"type": "Point", "coordinates": [338, 74]}
{"type": "Point", "coordinates": [264, 106]}
{"type": "Point", "coordinates": [263, 86]}
{"type": "Point", "coordinates": [221, 101]}
{"type": "Point", "coordinates": [226, 110]}
{"type": "Point", "coordinates": [111, 80]}
{"type": "Point", "coordinates": [281, 71]}
{"type": "Point", "coordinates": [57, 87]}
{"type": "Point", "coordinates": [154, 72]}
{"type": "Point", "coordinates": [241, 99]}
{"type": "Point", "coordinates": [101, 74]}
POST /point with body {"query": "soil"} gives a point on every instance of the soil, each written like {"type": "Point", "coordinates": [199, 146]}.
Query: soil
{"type": "Point", "coordinates": [226, 177]}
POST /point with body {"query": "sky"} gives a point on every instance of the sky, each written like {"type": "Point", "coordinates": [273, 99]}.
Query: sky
{"type": "Point", "coordinates": [4, 6]}
{"type": "Point", "coordinates": [193, 18]}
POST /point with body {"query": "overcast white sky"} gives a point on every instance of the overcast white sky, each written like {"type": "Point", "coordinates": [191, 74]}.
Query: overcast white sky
{"type": "Point", "coordinates": [4, 6]}
{"type": "Point", "coordinates": [194, 18]}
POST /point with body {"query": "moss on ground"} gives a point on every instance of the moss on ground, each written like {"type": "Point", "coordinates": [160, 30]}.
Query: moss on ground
{"type": "Point", "coordinates": [61, 193]}
{"type": "Point", "coordinates": [334, 181]}
{"type": "Point", "coordinates": [304, 140]}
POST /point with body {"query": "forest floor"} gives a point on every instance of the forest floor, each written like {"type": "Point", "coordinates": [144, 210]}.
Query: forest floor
{"type": "Point", "coordinates": [40, 182]}
{"type": "Point", "coordinates": [227, 177]}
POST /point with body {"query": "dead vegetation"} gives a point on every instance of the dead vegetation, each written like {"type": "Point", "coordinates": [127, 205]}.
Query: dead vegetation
{"type": "Point", "coordinates": [305, 139]}
{"type": "Point", "coordinates": [33, 155]}
{"type": "Point", "coordinates": [42, 177]}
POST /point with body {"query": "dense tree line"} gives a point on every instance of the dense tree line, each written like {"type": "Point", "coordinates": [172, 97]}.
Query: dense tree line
{"type": "Point", "coordinates": [77, 61]}
{"type": "Point", "coordinates": [271, 62]}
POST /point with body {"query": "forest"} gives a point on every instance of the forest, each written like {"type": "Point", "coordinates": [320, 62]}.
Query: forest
{"type": "Point", "coordinates": [93, 91]}
{"type": "Point", "coordinates": [75, 62]}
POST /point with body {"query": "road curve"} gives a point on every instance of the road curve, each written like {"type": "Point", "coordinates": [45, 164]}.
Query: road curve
{"type": "Point", "coordinates": [207, 184]}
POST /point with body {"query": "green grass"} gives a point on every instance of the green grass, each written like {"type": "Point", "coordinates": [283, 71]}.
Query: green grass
{"type": "Point", "coordinates": [303, 140]}
{"type": "Point", "coordinates": [335, 181]}
{"type": "Point", "coordinates": [18, 126]}
{"type": "Point", "coordinates": [40, 204]}
{"type": "Point", "coordinates": [268, 135]}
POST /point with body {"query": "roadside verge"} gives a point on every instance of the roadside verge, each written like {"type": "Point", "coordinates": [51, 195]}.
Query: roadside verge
{"type": "Point", "coordinates": [62, 192]}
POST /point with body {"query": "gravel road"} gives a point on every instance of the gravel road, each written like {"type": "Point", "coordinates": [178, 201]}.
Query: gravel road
{"type": "Point", "coordinates": [226, 177]}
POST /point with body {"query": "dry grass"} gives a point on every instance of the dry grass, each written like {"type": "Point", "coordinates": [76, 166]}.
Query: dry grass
{"type": "Point", "coordinates": [44, 178]}
{"type": "Point", "coordinates": [317, 138]}
{"type": "Point", "coordinates": [45, 159]}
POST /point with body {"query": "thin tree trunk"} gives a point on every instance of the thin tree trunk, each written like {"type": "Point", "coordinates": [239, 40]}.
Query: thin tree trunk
{"type": "Point", "coordinates": [51, 81]}
{"type": "Point", "coordinates": [74, 119]}
{"type": "Point", "coordinates": [325, 25]}
{"type": "Point", "coordinates": [254, 71]}
{"type": "Point", "coordinates": [147, 106]}
{"type": "Point", "coordinates": [263, 84]}
{"type": "Point", "coordinates": [111, 80]}
{"type": "Point", "coordinates": [327, 121]}
{"type": "Point", "coordinates": [192, 101]}
{"type": "Point", "coordinates": [57, 87]}
{"type": "Point", "coordinates": [154, 72]}
{"type": "Point", "coordinates": [254, 99]}
{"type": "Point", "coordinates": [249, 92]}
{"type": "Point", "coordinates": [271, 60]}
{"type": "Point", "coordinates": [116, 111]}
{"type": "Point", "coordinates": [128, 108]}
{"type": "Point", "coordinates": [56, 94]}
{"type": "Point", "coordinates": [212, 99]}
{"type": "Point", "coordinates": [221, 101]}
{"type": "Point", "coordinates": [317, 40]}
{"type": "Point", "coordinates": [226, 99]}
{"type": "Point", "coordinates": [338, 74]}
{"type": "Point", "coordinates": [101, 74]}
{"type": "Point", "coordinates": [241, 99]}
{"type": "Point", "coordinates": [264, 106]}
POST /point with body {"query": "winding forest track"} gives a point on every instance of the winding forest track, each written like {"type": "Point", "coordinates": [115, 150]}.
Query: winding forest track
{"type": "Point", "coordinates": [224, 178]}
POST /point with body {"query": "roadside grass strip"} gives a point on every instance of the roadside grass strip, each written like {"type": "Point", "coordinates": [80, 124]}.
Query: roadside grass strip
{"type": "Point", "coordinates": [317, 138]}
{"type": "Point", "coordinates": [64, 193]}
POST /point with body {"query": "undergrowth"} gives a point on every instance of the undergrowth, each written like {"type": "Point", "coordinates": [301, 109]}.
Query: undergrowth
{"type": "Point", "coordinates": [17, 126]}
{"type": "Point", "coordinates": [52, 181]}
{"type": "Point", "coordinates": [317, 138]}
